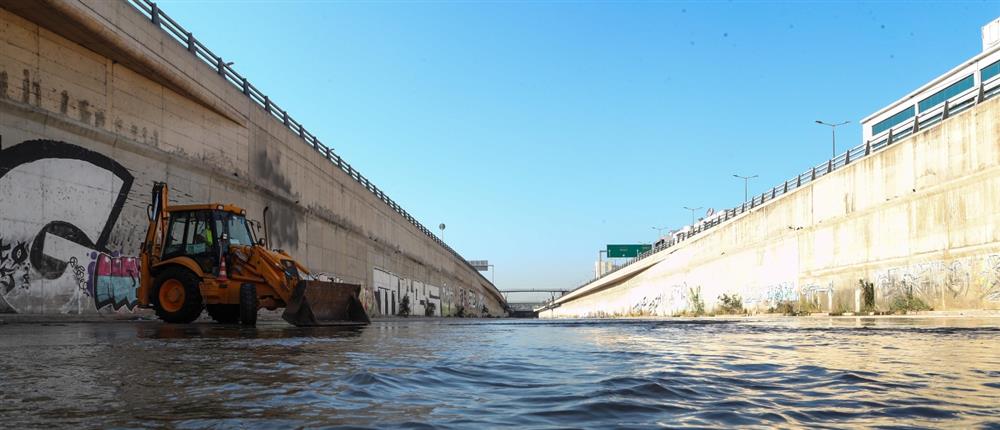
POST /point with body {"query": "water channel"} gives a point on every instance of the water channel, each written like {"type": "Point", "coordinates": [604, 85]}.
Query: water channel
{"type": "Point", "coordinates": [452, 373]}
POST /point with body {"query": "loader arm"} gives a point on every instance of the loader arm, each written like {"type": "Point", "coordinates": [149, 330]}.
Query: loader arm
{"type": "Point", "coordinates": [308, 302]}
{"type": "Point", "coordinates": [149, 252]}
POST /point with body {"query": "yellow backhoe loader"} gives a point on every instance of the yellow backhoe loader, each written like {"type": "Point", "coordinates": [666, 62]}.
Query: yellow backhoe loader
{"type": "Point", "coordinates": [205, 256]}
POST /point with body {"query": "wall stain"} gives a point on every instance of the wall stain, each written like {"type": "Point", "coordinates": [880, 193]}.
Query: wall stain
{"type": "Point", "coordinates": [63, 102]}
{"type": "Point", "coordinates": [99, 119]}
{"type": "Point", "coordinates": [283, 225]}
{"type": "Point", "coordinates": [267, 170]}
{"type": "Point", "coordinates": [3, 84]}
{"type": "Point", "coordinates": [84, 107]}
{"type": "Point", "coordinates": [26, 87]}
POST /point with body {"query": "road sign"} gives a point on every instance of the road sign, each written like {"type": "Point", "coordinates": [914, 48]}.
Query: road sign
{"type": "Point", "coordinates": [627, 251]}
{"type": "Point", "coordinates": [480, 265]}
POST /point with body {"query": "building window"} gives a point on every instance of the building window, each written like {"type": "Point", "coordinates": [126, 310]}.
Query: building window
{"type": "Point", "coordinates": [989, 71]}
{"type": "Point", "coordinates": [947, 93]}
{"type": "Point", "coordinates": [892, 120]}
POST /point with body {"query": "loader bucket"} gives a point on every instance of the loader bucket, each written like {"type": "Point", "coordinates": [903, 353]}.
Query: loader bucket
{"type": "Point", "coordinates": [319, 303]}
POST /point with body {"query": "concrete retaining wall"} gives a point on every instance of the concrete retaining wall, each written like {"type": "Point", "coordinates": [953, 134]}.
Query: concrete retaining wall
{"type": "Point", "coordinates": [919, 222]}
{"type": "Point", "coordinates": [96, 104]}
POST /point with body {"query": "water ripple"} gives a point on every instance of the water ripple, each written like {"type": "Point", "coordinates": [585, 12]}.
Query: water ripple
{"type": "Point", "coordinates": [430, 374]}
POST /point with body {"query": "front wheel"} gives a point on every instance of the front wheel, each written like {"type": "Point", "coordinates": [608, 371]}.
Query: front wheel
{"type": "Point", "coordinates": [177, 296]}
{"type": "Point", "coordinates": [248, 305]}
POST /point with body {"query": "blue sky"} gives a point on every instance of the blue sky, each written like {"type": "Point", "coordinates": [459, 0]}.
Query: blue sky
{"type": "Point", "coordinates": [541, 131]}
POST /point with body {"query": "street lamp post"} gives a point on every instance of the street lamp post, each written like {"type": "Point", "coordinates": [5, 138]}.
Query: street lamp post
{"type": "Point", "coordinates": [746, 185]}
{"type": "Point", "coordinates": [659, 231]}
{"type": "Point", "coordinates": [441, 226]}
{"type": "Point", "coordinates": [694, 218]}
{"type": "Point", "coordinates": [833, 130]}
{"type": "Point", "coordinates": [600, 262]}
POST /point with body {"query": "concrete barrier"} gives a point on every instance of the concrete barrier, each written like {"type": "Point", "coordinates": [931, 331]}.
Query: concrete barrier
{"type": "Point", "coordinates": [97, 103]}
{"type": "Point", "coordinates": [915, 226]}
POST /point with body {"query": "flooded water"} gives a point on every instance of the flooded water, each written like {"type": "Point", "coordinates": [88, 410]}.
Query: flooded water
{"type": "Point", "coordinates": [488, 373]}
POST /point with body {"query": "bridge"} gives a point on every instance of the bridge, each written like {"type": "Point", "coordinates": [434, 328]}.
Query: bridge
{"type": "Point", "coordinates": [526, 309]}
{"type": "Point", "coordinates": [535, 291]}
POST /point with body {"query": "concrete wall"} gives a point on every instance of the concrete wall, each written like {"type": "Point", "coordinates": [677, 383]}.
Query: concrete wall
{"type": "Point", "coordinates": [96, 104]}
{"type": "Point", "coordinates": [918, 220]}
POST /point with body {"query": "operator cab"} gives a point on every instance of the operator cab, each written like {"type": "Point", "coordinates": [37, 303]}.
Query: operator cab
{"type": "Point", "coordinates": [204, 235]}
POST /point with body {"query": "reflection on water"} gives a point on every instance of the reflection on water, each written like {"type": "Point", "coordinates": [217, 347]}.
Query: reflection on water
{"type": "Point", "coordinates": [461, 374]}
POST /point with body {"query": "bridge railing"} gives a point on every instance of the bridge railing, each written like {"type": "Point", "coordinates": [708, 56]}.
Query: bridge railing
{"type": "Point", "coordinates": [152, 11]}
{"type": "Point", "coordinates": [932, 117]}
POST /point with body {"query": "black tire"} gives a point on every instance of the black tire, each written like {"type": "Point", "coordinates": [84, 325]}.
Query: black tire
{"type": "Point", "coordinates": [224, 314]}
{"type": "Point", "coordinates": [191, 305]}
{"type": "Point", "coordinates": [248, 305]}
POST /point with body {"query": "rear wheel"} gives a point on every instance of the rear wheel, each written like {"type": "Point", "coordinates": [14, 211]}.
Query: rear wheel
{"type": "Point", "coordinates": [248, 305]}
{"type": "Point", "coordinates": [177, 296]}
{"type": "Point", "coordinates": [224, 314]}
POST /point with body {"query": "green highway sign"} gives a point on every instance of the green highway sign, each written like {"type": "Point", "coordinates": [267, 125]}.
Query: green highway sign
{"type": "Point", "coordinates": [627, 251]}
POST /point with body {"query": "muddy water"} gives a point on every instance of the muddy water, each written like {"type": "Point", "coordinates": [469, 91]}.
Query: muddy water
{"type": "Point", "coordinates": [478, 374]}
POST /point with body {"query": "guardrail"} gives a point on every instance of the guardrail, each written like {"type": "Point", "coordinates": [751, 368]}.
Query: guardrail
{"type": "Point", "coordinates": [932, 117]}
{"type": "Point", "coordinates": [152, 11]}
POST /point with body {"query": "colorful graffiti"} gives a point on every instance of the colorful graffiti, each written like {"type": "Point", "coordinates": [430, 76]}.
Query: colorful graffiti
{"type": "Point", "coordinates": [114, 281]}
{"type": "Point", "coordinates": [60, 203]}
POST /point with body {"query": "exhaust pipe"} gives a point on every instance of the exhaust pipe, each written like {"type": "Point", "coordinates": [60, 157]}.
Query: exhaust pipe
{"type": "Point", "coordinates": [267, 237]}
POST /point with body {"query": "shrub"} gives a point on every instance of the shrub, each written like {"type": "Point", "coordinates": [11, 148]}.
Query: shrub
{"type": "Point", "coordinates": [907, 302]}
{"type": "Point", "coordinates": [429, 309]}
{"type": "Point", "coordinates": [404, 306]}
{"type": "Point", "coordinates": [730, 304]}
{"type": "Point", "coordinates": [696, 306]}
{"type": "Point", "coordinates": [867, 296]}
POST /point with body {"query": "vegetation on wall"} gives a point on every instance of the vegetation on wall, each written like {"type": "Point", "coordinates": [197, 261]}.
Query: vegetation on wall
{"type": "Point", "coordinates": [696, 306]}
{"type": "Point", "coordinates": [730, 305]}
{"type": "Point", "coordinates": [404, 306]}
{"type": "Point", "coordinates": [429, 309]}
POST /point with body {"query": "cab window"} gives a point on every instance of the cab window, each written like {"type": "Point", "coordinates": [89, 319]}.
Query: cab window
{"type": "Point", "coordinates": [174, 243]}
{"type": "Point", "coordinates": [239, 231]}
{"type": "Point", "coordinates": [191, 234]}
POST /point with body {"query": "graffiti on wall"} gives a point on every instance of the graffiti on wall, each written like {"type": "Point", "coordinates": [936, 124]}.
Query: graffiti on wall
{"type": "Point", "coordinates": [389, 291]}
{"type": "Point", "coordinates": [962, 280]}
{"type": "Point", "coordinates": [915, 280]}
{"type": "Point", "coordinates": [991, 275]}
{"type": "Point", "coordinates": [114, 280]}
{"type": "Point", "coordinates": [59, 206]}
{"type": "Point", "coordinates": [13, 266]}
{"type": "Point", "coordinates": [771, 296]}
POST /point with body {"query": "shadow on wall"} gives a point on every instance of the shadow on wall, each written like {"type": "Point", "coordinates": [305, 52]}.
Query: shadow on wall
{"type": "Point", "coordinates": [283, 221]}
{"type": "Point", "coordinates": [59, 204]}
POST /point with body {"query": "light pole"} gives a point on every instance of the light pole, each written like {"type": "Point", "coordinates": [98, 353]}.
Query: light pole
{"type": "Point", "coordinates": [833, 129]}
{"type": "Point", "coordinates": [441, 226]}
{"type": "Point", "coordinates": [600, 262]}
{"type": "Point", "coordinates": [694, 218]}
{"type": "Point", "coordinates": [746, 185]}
{"type": "Point", "coordinates": [659, 231]}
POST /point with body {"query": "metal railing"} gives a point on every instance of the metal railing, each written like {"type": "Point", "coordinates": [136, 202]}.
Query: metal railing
{"type": "Point", "coordinates": [152, 11]}
{"type": "Point", "coordinates": [929, 119]}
